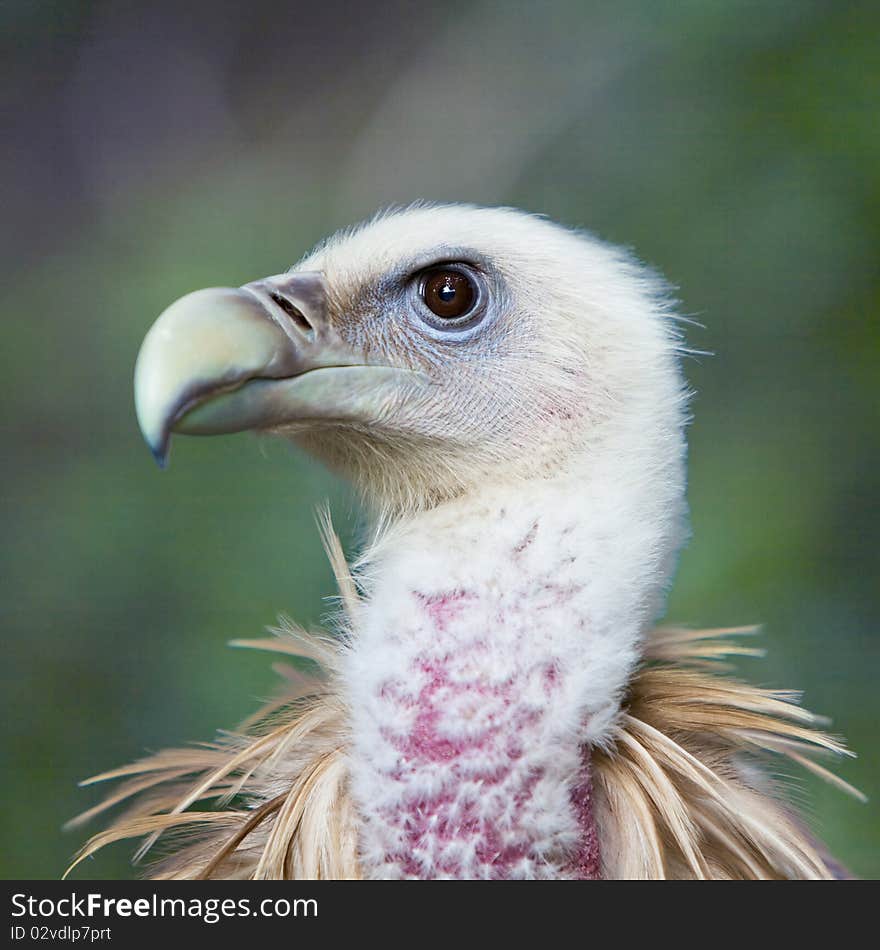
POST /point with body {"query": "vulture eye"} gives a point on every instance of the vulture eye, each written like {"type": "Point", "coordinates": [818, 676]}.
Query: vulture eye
{"type": "Point", "coordinates": [449, 293]}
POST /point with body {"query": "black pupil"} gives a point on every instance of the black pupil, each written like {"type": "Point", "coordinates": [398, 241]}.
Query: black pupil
{"type": "Point", "coordinates": [449, 294]}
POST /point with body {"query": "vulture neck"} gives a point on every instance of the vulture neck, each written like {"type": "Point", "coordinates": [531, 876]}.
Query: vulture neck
{"type": "Point", "coordinates": [496, 637]}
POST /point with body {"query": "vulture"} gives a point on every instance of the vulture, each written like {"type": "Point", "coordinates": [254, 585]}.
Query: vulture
{"type": "Point", "coordinates": [491, 700]}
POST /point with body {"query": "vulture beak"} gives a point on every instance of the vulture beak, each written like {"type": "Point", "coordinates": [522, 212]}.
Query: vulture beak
{"type": "Point", "coordinates": [254, 357]}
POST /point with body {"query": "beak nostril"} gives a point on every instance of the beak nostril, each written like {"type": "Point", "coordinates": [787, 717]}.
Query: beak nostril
{"type": "Point", "coordinates": [292, 311]}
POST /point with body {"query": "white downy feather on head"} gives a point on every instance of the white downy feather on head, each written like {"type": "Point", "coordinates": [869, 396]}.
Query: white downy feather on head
{"type": "Point", "coordinates": [572, 363]}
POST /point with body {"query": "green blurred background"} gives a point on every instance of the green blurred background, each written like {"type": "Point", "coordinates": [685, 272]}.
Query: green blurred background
{"type": "Point", "coordinates": [159, 148]}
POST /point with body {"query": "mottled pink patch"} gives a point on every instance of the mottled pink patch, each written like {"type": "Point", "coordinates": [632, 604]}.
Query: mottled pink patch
{"type": "Point", "coordinates": [426, 742]}
{"type": "Point", "coordinates": [586, 864]}
{"type": "Point", "coordinates": [443, 818]}
{"type": "Point", "coordinates": [551, 678]}
{"type": "Point", "coordinates": [445, 606]}
{"type": "Point", "coordinates": [486, 751]}
{"type": "Point", "coordinates": [526, 541]}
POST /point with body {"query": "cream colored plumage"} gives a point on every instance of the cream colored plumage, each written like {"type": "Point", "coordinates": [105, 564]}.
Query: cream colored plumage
{"type": "Point", "coordinates": [494, 703]}
{"type": "Point", "coordinates": [673, 798]}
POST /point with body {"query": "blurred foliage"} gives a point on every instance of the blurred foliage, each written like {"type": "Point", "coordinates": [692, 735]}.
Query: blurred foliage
{"type": "Point", "coordinates": [159, 148]}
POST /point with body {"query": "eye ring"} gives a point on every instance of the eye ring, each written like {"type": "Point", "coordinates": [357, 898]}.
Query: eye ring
{"type": "Point", "coordinates": [451, 294]}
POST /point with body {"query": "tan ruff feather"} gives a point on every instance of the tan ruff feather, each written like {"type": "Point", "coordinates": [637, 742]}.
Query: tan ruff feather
{"type": "Point", "coordinates": [674, 794]}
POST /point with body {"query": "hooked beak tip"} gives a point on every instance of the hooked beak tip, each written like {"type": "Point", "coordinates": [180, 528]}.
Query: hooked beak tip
{"type": "Point", "coordinates": [160, 448]}
{"type": "Point", "coordinates": [160, 454]}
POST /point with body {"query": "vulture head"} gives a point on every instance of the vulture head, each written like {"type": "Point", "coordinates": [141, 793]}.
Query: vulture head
{"type": "Point", "coordinates": [431, 351]}
{"type": "Point", "coordinates": [506, 394]}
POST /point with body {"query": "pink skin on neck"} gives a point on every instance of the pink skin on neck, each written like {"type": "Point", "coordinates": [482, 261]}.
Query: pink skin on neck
{"type": "Point", "coordinates": [442, 822]}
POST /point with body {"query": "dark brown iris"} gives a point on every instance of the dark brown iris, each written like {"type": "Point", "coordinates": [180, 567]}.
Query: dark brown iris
{"type": "Point", "coordinates": [448, 294]}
